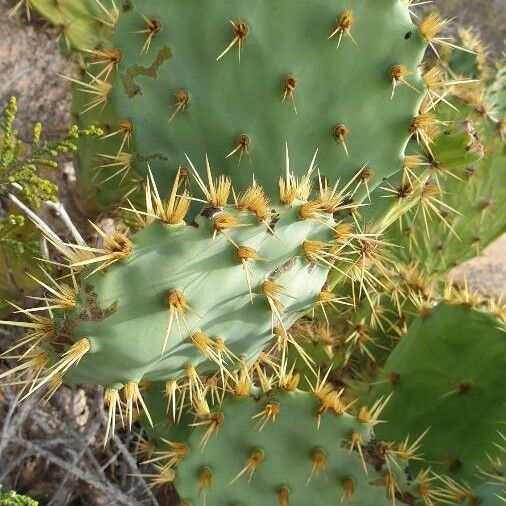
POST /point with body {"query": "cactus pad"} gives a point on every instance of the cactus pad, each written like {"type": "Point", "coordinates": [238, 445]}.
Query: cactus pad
{"type": "Point", "coordinates": [328, 73]}
{"type": "Point", "coordinates": [441, 377]}
{"type": "Point", "coordinates": [289, 448]}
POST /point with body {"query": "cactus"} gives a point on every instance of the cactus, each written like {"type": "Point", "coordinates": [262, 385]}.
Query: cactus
{"type": "Point", "coordinates": [175, 319]}
{"type": "Point", "coordinates": [461, 208]}
{"type": "Point", "coordinates": [209, 295]}
{"type": "Point", "coordinates": [494, 477]}
{"type": "Point", "coordinates": [78, 22]}
{"type": "Point", "coordinates": [288, 447]}
{"type": "Point", "coordinates": [474, 62]}
{"type": "Point", "coordinates": [162, 94]}
{"type": "Point", "coordinates": [446, 374]}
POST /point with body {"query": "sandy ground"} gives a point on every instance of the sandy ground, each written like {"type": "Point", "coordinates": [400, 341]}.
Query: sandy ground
{"type": "Point", "coordinates": [30, 68]}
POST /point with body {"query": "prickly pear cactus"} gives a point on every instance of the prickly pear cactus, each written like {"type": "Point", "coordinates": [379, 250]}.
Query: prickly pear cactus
{"type": "Point", "coordinates": [474, 61]}
{"type": "Point", "coordinates": [288, 447]}
{"type": "Point", "coordinates": [169, 84]}
{"type": "Point", "coordinates": [78, 22]}
{"type": "Point", "coordinates": [205, 296]}
{"type": "Point", "coordinates": [446, 376]}
{"type": "Point", "coordinates": [462, 207]}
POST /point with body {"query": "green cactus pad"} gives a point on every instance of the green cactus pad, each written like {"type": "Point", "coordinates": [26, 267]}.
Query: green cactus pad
{"type": "Point", "coordinates": [77, 21]}
{"type": "Point", "coordinates": [298, 462]}
{"type": "Point", "coordinates": [447, 374]}
{"type": "Point", "coordinates": [496, 97]}
{"type": "Point", "coordinates": [464, 188]}
{"type": "Point", "coordinates": [181, 100]}
{"type": "Point", "coordinates": [126, 306]}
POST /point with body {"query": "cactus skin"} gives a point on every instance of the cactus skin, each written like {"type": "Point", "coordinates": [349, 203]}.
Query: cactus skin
{"type": "Point", "coordinates": [448, 373]}
{"type": "Point", "coordinates": [213, 281]}
{"type": "Point", "coordinates": [228, 99]}
{"type": "Point", "coordinates": [291, 444]}
{"type": "Point", "coordinates": [77, 21]}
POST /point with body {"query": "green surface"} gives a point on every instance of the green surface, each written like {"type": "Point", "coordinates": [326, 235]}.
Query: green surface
{"type": "Point", "coordinates": [451, 369]}
{"type": "Point", "coordinates": [78, 22]}
{"type": "Point", "coordinates": [288, 443]}
{"type": "Point", "coordinates": [350, 85]}
{"type": "Point", "coordinates": [127, 344]}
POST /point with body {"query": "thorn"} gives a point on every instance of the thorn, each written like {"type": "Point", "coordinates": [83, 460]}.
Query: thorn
{"type": "Point", "coordinates": [133, 397]}
{"type": "Point", "coordinates": [182, 99]}
{"type": "Point", "coordinates": [319, 459]}
{"type": "Point", "coordinates": [254, 460]}
{"type": "Point", "coordinates": [109, 58]}
{"type": "Point", "coordinates": [244, 255]}
{"type": "Point", "coordinates": [112, 401]}
{"type": "Point", "coordinates": [217, 191]}
{"type": "Point", "coordinates": [292, 188]}
{"type": "Point", "coordinates": [356, 443]}
{"type": "Point", "coordinates": [70, 358]}
{"type": "Point", "coordinates": [171, 390]}
{"type": "Point", "coordinates": [343, 27]}
{"type": "Point", "coordinates": [240, 30]}
{"type": "Point", "coordinates": [340, 134]}
{"type": "Point", "coordinates": [254, 200]}
{"type": "Point", "coordinates": [241, 147]}
{"type": "Point", "coordinates": [172, 210]}
{"type": "Point", "coordinates": [398, 74]}
{"type": "Point", "coordinates": [97, 88]}
{"type": "Point", "coordinates": [242, 382]}
{"type": "Point", "coordinates": [125, 129]}
{"type": "Point", "coordinates": [205, 483]}
{"type": "Point", "coordinates": [178, 306]}
{"type": "Point", "coordinates": [213, 424]}
{"type": "Point", "coordinates": [269, 413]}
{"type": "Point", "coordinates": [153, 26]}
{"type": "Point", "coordinates": [348, 486]}
{"type": "Point", "coordinates": [288, 90]}
{"type": "Point", "coordinates": [225, 222]}
{"type": "Point", "coordinates": [173, 455]}
{"type": "Point", "coordinates": [112, 14]}
{"type": "Point", "coordinates": [284, 496]}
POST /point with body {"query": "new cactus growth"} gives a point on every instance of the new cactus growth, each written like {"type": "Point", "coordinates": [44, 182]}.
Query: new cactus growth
{"type": "Point", "coordinates": [446, 374]}
{"type": "Point", "coordinates": [474, 198]}
{"type": "Point", "coordinates": [81, 24]}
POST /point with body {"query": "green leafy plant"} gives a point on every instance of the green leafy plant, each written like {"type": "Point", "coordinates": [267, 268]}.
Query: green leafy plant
{"type": "Point", "coordinates": [21, 168]}
{"type": "Point", "coordinates": [15, 499]}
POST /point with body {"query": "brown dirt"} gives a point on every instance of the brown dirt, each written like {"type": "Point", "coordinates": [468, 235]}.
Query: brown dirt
{"type": "Point", "coordinates": [30, 66]}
